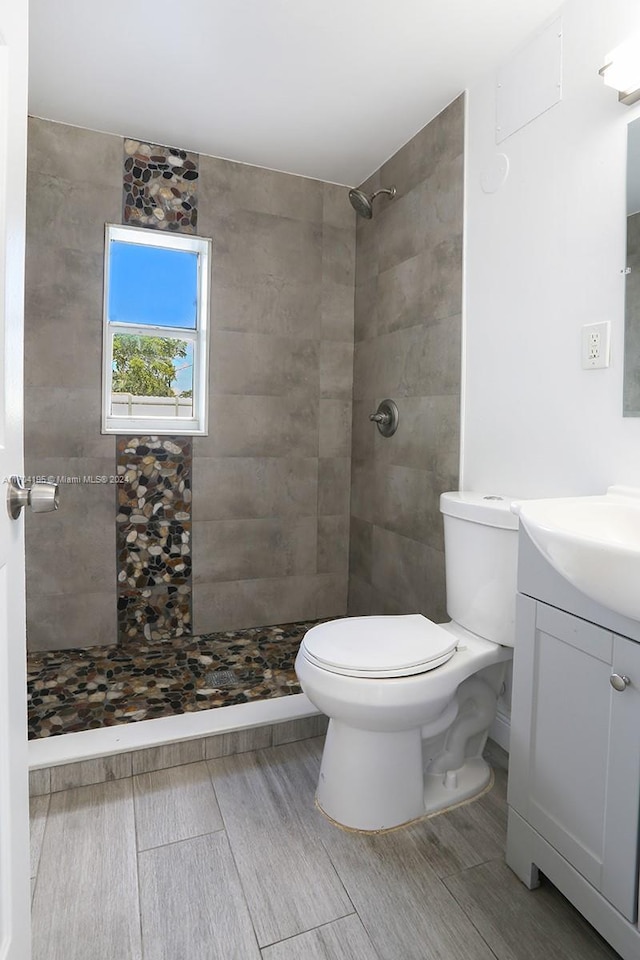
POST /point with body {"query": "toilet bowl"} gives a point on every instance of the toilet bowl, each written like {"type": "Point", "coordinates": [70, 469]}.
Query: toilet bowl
{"type": "Point", "coordinates": [409, 701]}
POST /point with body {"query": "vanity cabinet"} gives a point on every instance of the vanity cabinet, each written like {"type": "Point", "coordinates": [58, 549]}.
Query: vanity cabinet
{"type": "Point", "coordinates": [574, 764]}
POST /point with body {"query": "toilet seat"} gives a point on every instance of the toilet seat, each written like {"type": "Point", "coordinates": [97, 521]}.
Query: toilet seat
{"type": "Point", "coordinates": [378, 647]}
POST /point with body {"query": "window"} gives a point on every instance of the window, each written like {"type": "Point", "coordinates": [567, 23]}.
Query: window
{"type": "Point", "coordinates": [155, 346]}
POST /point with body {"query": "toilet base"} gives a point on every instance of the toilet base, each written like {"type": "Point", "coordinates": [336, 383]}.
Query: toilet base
{"type": "Point", "coordinates": [371, 780]}
{"type": "Point", "coordinates": [375, 781]}
{"type": "Point", "coordinates": [442, 790]}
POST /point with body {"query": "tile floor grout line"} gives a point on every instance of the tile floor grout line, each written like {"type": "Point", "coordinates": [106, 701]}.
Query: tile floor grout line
{"type": "Point", "coordinates": [318, 926]}
{"type": "Point", "coordinates": [172, 843]}
{"type": "Point", "coordinates": [44, 832]}
{"type": "Point", "coordinates": [137, 856]}
{"type": "Point", "coordinates": [231, 850]}
{"type": "Point", "coordinates": [472, 866]}
{"type": "Point", "coordinates": [469, 918]}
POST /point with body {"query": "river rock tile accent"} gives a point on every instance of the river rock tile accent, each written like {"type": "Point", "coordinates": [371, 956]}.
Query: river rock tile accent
{"type": "Point", "coordinates": [153, 537]}
{"type": "Point", "coordinates": [154, 553]}
{"type": "Point", "coordinates": [153, 489]}
{"type": "Point", "coordinates": [163, 448]}
{"type": "Point", "coordinates": [159, 187]}
{"type": "Point", "coordinates": [73, 690]}
{"type": "Point", "coordinates": [154, 613]}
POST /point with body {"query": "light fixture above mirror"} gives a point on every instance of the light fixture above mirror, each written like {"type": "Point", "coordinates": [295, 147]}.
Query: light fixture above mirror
{"type": "Point", "coordinates": [622, 70]}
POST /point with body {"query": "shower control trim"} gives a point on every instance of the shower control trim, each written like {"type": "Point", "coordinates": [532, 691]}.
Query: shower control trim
{"type": "Point", "coordinates": [386, 418]}
{"type": "Point", "coordinates": [41, 497]}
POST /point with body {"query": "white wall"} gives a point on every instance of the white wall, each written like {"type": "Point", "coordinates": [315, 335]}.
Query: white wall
{"type": "Point", "coordinates": [543, 256]}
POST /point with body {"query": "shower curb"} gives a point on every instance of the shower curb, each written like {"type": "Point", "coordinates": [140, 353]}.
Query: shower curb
{"type": "Point", "coordinates": [118, 766]}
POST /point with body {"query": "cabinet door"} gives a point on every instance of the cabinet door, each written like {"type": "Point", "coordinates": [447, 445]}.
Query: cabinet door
{"type": "Point", "coordinates": [575, 754]}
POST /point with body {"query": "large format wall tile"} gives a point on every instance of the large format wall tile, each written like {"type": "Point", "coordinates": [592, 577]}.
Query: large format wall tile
{"type": "Point", "coordinates": [70, 212]}
{"type": "Point", "coordinates": [73, 152]}
{"type": "Point", "coordinates": [66, 552]}
{"type": "Point", "coordinates": [74, 429]}
{"type": "Point", "coordinates": [73, 189]}
{"type": "Point", "coordinates": [409, 573]}
{"type": "Point", "coordinates": [336, 307]}
{"type": "Point", "coordinates": [408, 298]}
{"type": "Point", "coordinates": [261, 365]}
{"type": "Point", "coordinates": [283, 267]}
{"type": "Point", "coordinates": [226, 187]}
{"type": "Point", "coordinates": [275, 305]}
{"type": "Point", "coordinates": [249, 245]}
{"type": "Point", "coordinates": [235, 604]}
{"type": "Point", "coordinates": [423, 360]}
{"type": "Point", "coordinates": [442, 140]}
{"type": "Point", "coordinates": [242, 426]}
{"type": "Point", "coordinates": [252, 549]}
{"type": "Point", "coordinates": [246, 488]}
{"type": "Point", "coordinates": [63, 620]}
{"type": "Point", "coordinates": [333, 485]}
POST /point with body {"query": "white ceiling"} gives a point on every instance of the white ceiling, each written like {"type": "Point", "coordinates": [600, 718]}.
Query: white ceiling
{"type": "Point", "coordinates": [322, 88]}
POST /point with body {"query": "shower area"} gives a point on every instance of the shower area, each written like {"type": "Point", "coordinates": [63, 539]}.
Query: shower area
{"type": "Point", "coordinates": [180, 573]}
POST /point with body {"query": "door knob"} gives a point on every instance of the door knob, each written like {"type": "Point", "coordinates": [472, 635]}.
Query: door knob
{"type": "Point", "coordinates": [619, 683]}
{"type": "Point", "coordinates": [41, 497]}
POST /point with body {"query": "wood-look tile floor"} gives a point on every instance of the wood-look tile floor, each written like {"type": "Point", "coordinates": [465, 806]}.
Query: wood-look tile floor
{"type": "Point", "coordinates": [229, 859]}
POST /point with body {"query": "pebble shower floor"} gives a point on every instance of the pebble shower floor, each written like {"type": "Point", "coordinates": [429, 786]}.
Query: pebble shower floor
{"type": "Point", "coordinates": [84, 689]}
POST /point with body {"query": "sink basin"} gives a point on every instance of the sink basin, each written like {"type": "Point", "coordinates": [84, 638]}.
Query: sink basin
{"type": "Point", "coordinates": [594, 542]}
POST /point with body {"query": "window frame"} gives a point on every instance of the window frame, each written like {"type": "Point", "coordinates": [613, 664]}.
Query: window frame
{"type": "Point", "coordinates": [197, 424]}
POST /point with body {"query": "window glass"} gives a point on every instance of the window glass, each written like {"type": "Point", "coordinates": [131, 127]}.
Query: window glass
{"type": "Point", "coordinates": [152, 285]}
{"type": "Point", "coordinates": [155, 325]}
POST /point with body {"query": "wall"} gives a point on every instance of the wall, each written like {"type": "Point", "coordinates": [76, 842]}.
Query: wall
{"type": "Point", "coordinates": [544, 255]}
{"type": "Point", "coordinates": [407, 347]}
{"type": "Point", "coordinates": [271, 481]}
{"type": "Point", "coordinates": [74, 185]}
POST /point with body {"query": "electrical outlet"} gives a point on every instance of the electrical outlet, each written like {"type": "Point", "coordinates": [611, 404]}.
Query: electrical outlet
{"type": "Point", "coordinates": [595, 345]}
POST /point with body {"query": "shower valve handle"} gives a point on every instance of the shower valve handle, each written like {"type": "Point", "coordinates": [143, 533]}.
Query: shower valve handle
{"type": "Point", "coordinates": [386, 417]}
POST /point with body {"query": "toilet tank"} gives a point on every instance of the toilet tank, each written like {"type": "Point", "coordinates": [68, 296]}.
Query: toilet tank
{"type": "Point", "coordinates": [481, 551]}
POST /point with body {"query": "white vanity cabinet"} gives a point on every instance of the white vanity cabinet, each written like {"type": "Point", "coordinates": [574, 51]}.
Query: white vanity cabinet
{"type": "Point", "coordinates": [574, 765]}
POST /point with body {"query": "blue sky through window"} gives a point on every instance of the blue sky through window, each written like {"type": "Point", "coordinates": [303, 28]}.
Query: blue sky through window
{"type": "Point", "coordinates": [152, 285]}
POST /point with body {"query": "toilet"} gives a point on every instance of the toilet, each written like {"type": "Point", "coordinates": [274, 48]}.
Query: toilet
{"type": "Point", "coordinates": [410, 702]}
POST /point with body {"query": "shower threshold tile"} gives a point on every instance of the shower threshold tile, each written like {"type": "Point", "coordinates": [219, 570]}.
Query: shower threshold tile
{"type": "Point", "coordinates": [85, 689]}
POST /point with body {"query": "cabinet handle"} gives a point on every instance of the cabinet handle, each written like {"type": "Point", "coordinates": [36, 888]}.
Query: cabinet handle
{"type": "Point", "coordinates": [619, 683]}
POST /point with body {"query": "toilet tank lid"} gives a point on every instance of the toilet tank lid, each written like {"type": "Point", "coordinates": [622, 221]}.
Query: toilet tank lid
{"type": "Point", "coordinates": [490, 509]}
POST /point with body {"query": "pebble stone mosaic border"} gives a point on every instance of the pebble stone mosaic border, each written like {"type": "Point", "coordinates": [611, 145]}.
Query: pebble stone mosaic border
{"type": "Point", "coordinates": [159, 187]}
{"type": "Point", "coordinates": [74, 690]}
{"type": "Point", "coordinates": [153, 537]}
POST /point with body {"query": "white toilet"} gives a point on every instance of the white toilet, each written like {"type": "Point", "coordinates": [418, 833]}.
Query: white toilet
{"type": "Point", "coordinates": [410, 702]}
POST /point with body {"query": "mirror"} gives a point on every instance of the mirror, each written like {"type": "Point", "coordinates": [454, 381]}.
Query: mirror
{"type": "Point", "coordinates": [631, 397]}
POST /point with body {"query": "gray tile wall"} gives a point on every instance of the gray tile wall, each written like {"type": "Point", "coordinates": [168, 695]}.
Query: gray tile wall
{"type": "Point", "coordinates": [408, 347]}
{"type": "Point", "coordinates": [74, 186]}
{"type": "Point", "coordinates": [271, 481]}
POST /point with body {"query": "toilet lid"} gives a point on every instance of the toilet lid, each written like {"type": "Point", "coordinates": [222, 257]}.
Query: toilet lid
{"type": "Point", "coordinates": [379, 646]}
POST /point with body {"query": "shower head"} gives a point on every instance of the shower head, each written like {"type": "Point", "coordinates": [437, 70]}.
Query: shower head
{"type": "Point", "coordinates": [362, 202]}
